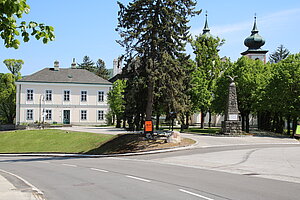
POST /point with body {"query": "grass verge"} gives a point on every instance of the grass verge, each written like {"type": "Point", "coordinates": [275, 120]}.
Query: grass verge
{"type": "Point", "coordinates": [51, 141]}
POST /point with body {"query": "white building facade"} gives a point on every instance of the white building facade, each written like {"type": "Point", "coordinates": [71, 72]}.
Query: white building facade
{"type": "Point", "coordinates": [62, 96]}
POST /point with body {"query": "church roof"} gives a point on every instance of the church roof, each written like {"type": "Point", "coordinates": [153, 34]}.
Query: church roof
{"type": "Point", "coordinates": [206, 30]}
{"type": "Point", "coordinates": [254, 41]}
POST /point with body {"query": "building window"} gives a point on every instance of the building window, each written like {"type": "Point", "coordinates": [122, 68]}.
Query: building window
{"type": "Point", "coordinates": [67, 95]}
{"type": "Point", "coordinates": [29, 114]}
{"type": "Point", "coordinates": [48, 95]}
{"type": "Point", "coordinates": [30, 95]}
{"type": "Point", "coordinates": [100, 96]}
{"type": "Point", "coordinates": [100, 115]}
{"type": "Point", "coordinates": [48, 114]}
{"type": "Point", "coordinates": [83, 95]}
{"type": "Point", "coordinates": [84, 115]}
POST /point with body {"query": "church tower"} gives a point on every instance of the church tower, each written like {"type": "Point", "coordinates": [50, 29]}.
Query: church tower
{"type": "Point", "coordinates": [206, 30]}
{"type": "Point", "coordinates": [254, 43]}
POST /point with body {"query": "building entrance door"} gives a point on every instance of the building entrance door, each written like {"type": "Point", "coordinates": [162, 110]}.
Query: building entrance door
{"type": "Point", "coordinates": [66, 116]}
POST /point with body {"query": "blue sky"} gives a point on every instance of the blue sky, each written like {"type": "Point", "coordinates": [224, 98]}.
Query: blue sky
{"type": "Point", "coordinates": [88, 28]}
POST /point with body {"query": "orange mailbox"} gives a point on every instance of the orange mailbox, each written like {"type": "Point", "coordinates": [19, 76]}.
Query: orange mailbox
{"type": "Point", "coordinates": [148, 127]}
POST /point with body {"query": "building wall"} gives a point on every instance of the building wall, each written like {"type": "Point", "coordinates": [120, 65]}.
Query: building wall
{"type": "Point", "coordinates": [57, 105]}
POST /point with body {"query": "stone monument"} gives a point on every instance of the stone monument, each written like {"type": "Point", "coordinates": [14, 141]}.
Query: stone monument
{"type": "Point", "coordinates": [231, 124]}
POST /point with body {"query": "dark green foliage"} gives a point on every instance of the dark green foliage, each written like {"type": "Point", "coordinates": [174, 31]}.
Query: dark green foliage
{"type": "Point", "coordinates": [280, 54]}
{"type": "Point", "coordinates": [156, 32]}
{"type": "Point", "coordinates": [101, 69]}
{"type": "Point", "coordinates": [7, 98]}
{"type": "Point", "coordinates": [87, 64]}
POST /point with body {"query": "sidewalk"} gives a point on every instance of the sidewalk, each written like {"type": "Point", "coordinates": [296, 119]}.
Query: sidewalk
{"type": "Point", "coordinates": [8, 191]}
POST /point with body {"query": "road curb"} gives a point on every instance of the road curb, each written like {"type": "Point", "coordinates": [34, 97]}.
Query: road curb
{"type": "Point", "coordinates": [38, 194]}
{"type": "Point", "coordinates": [100, 156]}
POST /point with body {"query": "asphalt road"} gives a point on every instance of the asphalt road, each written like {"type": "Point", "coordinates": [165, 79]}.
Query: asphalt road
{"type": "Point", "coordinates": [147, 177]}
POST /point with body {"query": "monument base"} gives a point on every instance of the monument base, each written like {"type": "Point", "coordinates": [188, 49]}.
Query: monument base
{"type": "Point", "coordinates": [231, 127]}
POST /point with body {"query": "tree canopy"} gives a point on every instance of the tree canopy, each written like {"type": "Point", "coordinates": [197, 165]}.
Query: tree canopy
{"type": "Point", "coordinates": [278, 55]}
{"type": "Point", "coordinates": [14, 66]}
{"type": "Point", "coordinates": [156, 32]}
{"type": "Point", "coordinates": [11, 30]}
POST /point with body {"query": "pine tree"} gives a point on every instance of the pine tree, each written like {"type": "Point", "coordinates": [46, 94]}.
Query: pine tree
{"type": "Point", "coordinates": [156, 32]}
{"type": "Point", "coordinates": [101, 69]}
{"type": "Point", "coordinates": [278, 55]}
{"type": "Point", "coordinates": [87, 64]}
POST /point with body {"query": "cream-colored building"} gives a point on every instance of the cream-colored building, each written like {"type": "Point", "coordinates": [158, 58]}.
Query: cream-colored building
{"type": "Point", "coordinates": [62, 95]}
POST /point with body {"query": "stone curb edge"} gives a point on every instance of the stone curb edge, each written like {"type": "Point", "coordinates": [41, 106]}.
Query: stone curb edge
{"type": "Point", "coordinates": [38, 194]}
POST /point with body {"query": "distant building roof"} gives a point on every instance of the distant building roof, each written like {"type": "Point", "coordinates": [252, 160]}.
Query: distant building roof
{"type": "Point", "coordinates": [65, 75]}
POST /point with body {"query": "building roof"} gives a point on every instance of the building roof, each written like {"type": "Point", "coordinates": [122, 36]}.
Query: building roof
{"type": "Point", "coordinates": [254, 41]}
{"type": "Point", "coordinates": [65, 75]}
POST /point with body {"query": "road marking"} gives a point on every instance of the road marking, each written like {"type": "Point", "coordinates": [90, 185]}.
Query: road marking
{"type": "Point", "coordinates": [44, 162]}
{"type": "Point", "coordinates": [194, 194]}
{"type": "Point", "coordinates": [140, 179]}
{"type": "Point", "coordinates": [69, 165]}
{"type": "Point", "coordinates": [99, 170]}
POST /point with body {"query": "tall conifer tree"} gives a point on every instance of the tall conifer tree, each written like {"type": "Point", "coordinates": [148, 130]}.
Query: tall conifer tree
{"type": "Point", "coordinates": [156, 31]}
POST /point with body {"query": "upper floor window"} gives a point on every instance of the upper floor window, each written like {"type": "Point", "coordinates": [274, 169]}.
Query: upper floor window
{"type": "Point", "coordinates": [100, 115]}
{"type": "Point", "coordinates": [48, 114]}
{"type": "Point", "coordinates": [29, 114]}
{"type": "Point", "coordinates": [83, 95]}
{"type": "Point", "coordinates": [29, 95]}
{"type": "Point", "coordinates": [48, 95]}
{"type": "Point", "coordinates": [67, 95]}
{"type": "Point", "coordinates": [84, 115]}
{"type": "Point", "coordinates": [100, 96]}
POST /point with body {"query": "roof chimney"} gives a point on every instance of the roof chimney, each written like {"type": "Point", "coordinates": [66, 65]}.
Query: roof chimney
{"type": "Point", "coordinates": [73, 65]}
{"type": "Point", "coordinates": [56, 65]}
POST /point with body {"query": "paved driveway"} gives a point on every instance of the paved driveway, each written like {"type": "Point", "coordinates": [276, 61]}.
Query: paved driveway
{"type": "Point", "coordinates": [91, 129]}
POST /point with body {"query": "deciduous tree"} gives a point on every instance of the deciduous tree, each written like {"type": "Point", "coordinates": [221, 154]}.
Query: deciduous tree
{"type": "Point", "coordinates": [11, 29]}
{"type": "Point", "coordinates": [14, 66]}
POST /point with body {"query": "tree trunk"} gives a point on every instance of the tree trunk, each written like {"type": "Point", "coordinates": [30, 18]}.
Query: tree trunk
{"type": "Point", "coordinates": [113, 119]}
{"type": "Point", "coordinates": [202, 119]}
{"type": "Point", "coordinates": [243, 121]}
{"type": "Point", "coordinates": [118, 125]}
{"type": "Point", "coordinates": [294, 125]}
{"type": "Point", "coordinates": [209, 119]}
{"type": "Point", "coordinates": [288, 125]}
{"type": "Point", "coordinates": [124, 122]}
{"type": "Point", "coordinates": [149, 106]}
{"type": "Point", "coordinates": [187, 116]}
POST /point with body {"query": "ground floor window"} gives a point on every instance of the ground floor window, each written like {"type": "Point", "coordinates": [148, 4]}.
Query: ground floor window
{"type": "Point", "coordinates": [100, 115]}
{"type": "Point", "coordinates": [48, 114]}
{"type": "Point", "coordinates": [29, 114]}
{"type": "Point", "coordinates": [84, 115]}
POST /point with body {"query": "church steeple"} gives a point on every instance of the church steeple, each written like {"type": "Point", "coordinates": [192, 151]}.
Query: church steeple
{"type": "Point", "coordinates": [206, 30]}
{"type": "Point", "coordinates": [254, 43]}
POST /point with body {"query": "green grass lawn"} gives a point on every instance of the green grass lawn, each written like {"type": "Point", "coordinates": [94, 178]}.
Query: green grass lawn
{"type": "Point", "coordinates": [50, 140]}
{"type": "Point", "coordinates": [298, 130]}
{"type": "Point", "coordinates": [204, 131]}
{"type": "Point", "coordinates": [199, 131]}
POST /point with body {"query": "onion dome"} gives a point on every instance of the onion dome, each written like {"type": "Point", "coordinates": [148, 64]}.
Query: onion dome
{"type": "Point", "coordinates": [254, 41]}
